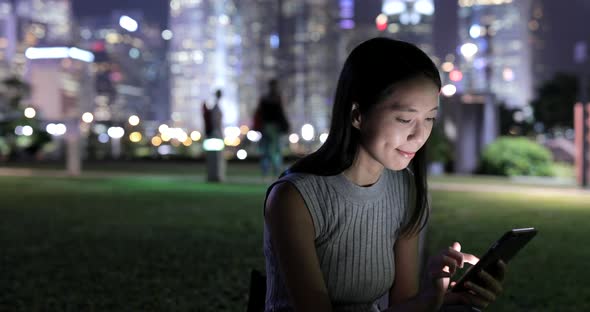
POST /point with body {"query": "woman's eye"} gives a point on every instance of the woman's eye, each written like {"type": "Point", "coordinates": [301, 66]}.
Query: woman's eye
{"type": "Point", "coordinates": [403, 120]}
{"type": "Point", "coordinates": [433, 119]}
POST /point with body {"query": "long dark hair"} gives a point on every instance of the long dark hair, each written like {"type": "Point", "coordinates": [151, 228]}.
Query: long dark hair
{"type": "Point", "coordinates": [369, 74]}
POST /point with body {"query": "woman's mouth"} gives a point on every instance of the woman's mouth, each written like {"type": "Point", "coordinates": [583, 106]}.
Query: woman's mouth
{"type": "Point", "coordinates": [406, 154]}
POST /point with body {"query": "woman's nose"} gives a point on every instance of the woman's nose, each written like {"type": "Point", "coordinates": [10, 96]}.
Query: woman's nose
{"type": "Point", "coordinates": [418, 132]}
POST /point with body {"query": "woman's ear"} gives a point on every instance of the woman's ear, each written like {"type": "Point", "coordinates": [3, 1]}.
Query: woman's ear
{"type": "Point", "coordinates": [356, 116]}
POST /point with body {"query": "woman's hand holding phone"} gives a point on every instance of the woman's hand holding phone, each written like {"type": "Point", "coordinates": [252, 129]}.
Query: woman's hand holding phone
{"type": "Point", "coordinates": [480, 294]}
{"type": "Point", "coordinates": [443, 266]}
{"type": "Point", "coordinates": [440, 269]}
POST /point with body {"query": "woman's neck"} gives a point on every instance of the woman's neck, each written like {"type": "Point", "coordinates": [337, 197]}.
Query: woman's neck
{"type": "Point", "coordinates": [365, 170]}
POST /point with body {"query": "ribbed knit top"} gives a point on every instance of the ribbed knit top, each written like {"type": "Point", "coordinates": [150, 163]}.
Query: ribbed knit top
{"type": "Point", "coordinates": [355, 231]}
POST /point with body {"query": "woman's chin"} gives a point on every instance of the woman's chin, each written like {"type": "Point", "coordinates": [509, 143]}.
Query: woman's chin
{"type": "Point", "coordinates": [398, 165]}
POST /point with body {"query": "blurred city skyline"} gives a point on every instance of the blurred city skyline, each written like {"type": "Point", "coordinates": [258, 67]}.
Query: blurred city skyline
{"type": "Point", "coordinates": [563, 33]}
{"type": "Point", "coordinates": [160, 61]}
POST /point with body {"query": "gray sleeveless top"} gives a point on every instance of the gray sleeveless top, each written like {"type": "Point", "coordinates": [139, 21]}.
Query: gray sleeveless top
{"type": "Point", "coordinates": [355, 231]}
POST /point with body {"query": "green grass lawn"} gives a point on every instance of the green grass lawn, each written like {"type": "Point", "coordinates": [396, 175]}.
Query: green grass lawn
{"type": "Point", "coordinates": [127, 244]}
{"type": "Point", "coordinates": [152, 167]}
{"type": "Point", "coordinates": [168, 243]}
{"type": "Point", "coordinates": [550, 273]}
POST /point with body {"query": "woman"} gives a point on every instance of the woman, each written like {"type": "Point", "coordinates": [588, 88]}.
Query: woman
{"type": "Point", "coordinates": [342, 224]}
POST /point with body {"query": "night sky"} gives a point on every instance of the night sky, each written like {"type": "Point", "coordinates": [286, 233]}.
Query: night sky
{"type": "Point", "coordinates": [568, 25]}
{"type": "Point", "coordinates": [156, 11]}
{"type": "Point", "coordinates": [560, 37]}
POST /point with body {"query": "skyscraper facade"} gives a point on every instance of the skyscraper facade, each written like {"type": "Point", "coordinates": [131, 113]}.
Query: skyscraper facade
{"type": "Point", "coordinates": [260, 42]}
{"type": "Point", "coordinates": [130, 66]}
{"type": "Point", "coordinates": [238, 48]}
{"type": "Point", "coordinates": [502, 61]}
{"type": "Point", "coordinates": [204, 55]}
{"type": "Point", "coordinates": [29, 23]}
{"type": "Point", "coordinates": [538, 27]}
{"type": "Point", "coordinates": [410, 20]}
{"type": "Point", "coordinates": [49, 21]}
{"type": "Point", "coordinates": [8, 36]}
{"type": "Point", "coordinates": [309, 60]}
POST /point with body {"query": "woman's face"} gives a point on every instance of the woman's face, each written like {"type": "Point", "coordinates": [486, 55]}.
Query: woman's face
{"type": "Point", "coordinates": [398, 126]}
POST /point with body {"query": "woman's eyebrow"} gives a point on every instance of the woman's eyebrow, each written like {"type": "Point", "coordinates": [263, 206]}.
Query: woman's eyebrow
{"type": "Point", "coordinates": [410, 109]}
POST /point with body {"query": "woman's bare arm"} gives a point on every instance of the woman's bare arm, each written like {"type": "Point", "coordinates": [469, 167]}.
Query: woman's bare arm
{"type": "Point", "coordinates": [292, 235]}
{"type": "Point", "coordinates": [406, 284]}
{"type": "Point", "coordinates": [404, 294]}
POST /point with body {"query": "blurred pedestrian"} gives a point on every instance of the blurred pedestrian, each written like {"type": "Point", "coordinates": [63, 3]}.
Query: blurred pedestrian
{"type": "Point", "coordinates": [215, 161]}
{"type": "Point", "coordinates": [271, 121]}
{"type": "Point", "coordinates": [216, 116]}
{"type": "Point", "coordinates": [207, 119]}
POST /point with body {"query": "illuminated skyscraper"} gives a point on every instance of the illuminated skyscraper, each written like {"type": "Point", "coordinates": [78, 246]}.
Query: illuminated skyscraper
{"type": "Point", "coordinates": [310, 60]}
{"type": "Point", "coordinates": [238, 48]}
{"type": "Point", "coordinates": [204, 56]}
{"type": "Point", "coordinates": [260, 41]}
{"type": "Point", "coordinates": [538, 27]}
{"type": "Point", "coordinates": [500, 31]}
{"type": "Point", "coordinates": [46, 22]}
{"type": "Point", "coordinates": [409, 20]}
{"type": "Point", "coordinates": [28, 23]}
{"type": "Point", "coordinates": [130, 66]}
{"type": "Point", "coordinates": [8, 36]}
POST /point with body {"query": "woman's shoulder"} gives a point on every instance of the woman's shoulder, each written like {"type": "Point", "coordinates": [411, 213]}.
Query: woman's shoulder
{"type": "Point", "coordinates": [306, 184]}
{"type": "Point", "coordinates": [299, 195]}
{"type": "Point", "coordinates": [301, 177]}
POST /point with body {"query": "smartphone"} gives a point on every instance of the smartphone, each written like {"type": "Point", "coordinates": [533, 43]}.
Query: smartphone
{"type": "Point", "coordinates": [503, 249]}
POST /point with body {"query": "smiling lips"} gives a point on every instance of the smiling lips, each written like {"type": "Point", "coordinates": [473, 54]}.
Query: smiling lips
{"type": "Point", "coordinates": [406, 154]}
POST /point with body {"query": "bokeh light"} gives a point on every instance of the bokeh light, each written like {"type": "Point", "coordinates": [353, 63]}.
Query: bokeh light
{"type": "Point", "coordinates": [156, 141]}
{"type": "Point", "coordinates": [195, 136]}
{"type": "Point", "coordinates": [30, 112]}
{"type": "Point", "coordinates": [449, 90]}
{"type": "Point", "coordinates": [87, 117]}
{"type": "Point", "coordinates": [116, 132]}
{"type": "Point", "coordinates": [242, 154]}
{"type": "Point", "coordinates": [307, 132]}
{"type": "Point", "coordinates": [134, 120]}
{"type": "Point", "coordinates": [254, 136]}
{"type": "Point", "coordinates": [135, 137]}
{"type": "Point", "coordinates": [294, 138]}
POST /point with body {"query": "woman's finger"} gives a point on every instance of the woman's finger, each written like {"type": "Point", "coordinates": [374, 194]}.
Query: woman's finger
{"type": "Point", "coordinates": [474, 300]}
{"type": "Point", "coordinates": [440, 274]}
{"type": "Point", "coordinates": [490, 282]}
{"type": "Point", "coordinates": [501, 270]}
{"type": "Point", "coordinates": [456, 246]}
{"type": "Point", "coordinates": [471, 259]}
{"type": "Point", "coordinates": [481, 292]}
{"type": "Point", "coordinates": [454, 252]}
{"type": "Point", "coordinates": [449, 262]}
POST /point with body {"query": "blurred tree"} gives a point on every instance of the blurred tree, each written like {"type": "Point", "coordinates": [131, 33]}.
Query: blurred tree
{"type": "Point", "coordinates": [555, 101]}
{"type": "Point", "coordinates": [512, 122]}
{"type": "Point", "coordinates": [12, 93]}
{"type": "Point", "coordinates": [439, 147]}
